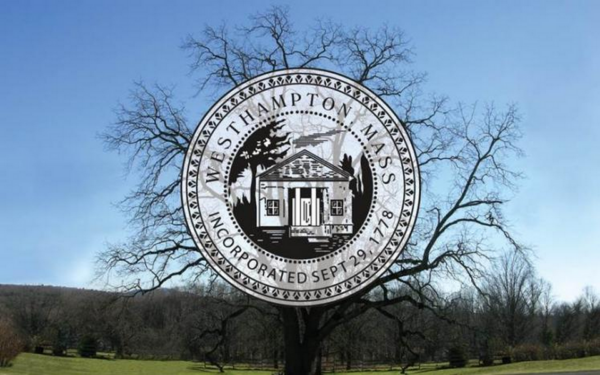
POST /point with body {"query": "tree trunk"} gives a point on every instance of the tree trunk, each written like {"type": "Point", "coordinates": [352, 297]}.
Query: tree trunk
{"type": "Point", "coordinates": [397, 353]}
{"type": "Point", "coordinates": [302, 340]}
{"type": "Point", "coordinates": [348, 360]}
{"type": "Point", "coordinates": [119, 350]}
{"type": "Point", "coordinates": [226, 352]}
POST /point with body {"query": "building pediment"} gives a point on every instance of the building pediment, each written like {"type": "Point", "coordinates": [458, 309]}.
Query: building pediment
{"type": "Point", "coordinates": [304, 166]}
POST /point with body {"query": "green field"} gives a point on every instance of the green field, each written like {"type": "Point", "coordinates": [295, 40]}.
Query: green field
{"type": "Point", "coordinates": [32, 364]}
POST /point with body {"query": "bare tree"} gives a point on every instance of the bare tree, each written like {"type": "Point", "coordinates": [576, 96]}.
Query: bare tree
{"type": "Point", "coordinates": [460, 221]}
{"type": "Point", "coordinates": [512, 298]}
{"type": "Point", "coordinates": [546, 312]}
{"type": "Point", "coordinates": [154, 135]}
{"type": "Point", "coordinates": [10, 342]}
{"type": "Point", "coordinates": [591, 328]}
{"type": "Point", "coordinates": [33, 313]}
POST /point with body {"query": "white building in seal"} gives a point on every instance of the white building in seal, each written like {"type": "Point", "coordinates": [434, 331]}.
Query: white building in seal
{"type": "Point", "coordinates": [307, 194]}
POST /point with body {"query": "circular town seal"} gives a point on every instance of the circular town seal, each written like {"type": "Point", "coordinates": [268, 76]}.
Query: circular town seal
{"type": "Point", "coordinates": [300, 187]}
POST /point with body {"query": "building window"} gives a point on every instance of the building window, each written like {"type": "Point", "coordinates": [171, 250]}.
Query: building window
{"type": "Point", "coordinates": [337, 207]}
{"type": "Point", "coordinates": [273, 207]}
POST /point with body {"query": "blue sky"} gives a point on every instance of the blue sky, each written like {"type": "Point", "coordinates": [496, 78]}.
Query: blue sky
{"type": "Point", "coordinates": [64, 66]}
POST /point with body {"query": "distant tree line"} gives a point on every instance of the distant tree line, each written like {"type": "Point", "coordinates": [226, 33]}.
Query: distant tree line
{"type": "Point", "coordinates": [512, 317]}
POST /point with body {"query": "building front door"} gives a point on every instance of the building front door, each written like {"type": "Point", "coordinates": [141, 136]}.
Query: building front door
{"type": "Point", "coordinates": [305, 211]}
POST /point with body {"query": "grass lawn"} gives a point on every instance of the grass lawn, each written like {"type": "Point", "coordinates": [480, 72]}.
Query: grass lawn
{"type": "Point", "coordinates": [32, 364]}
{"type": "Point", "coordinates": [566, 365]}
{"type": "Point", "coordinates": [35, 364]}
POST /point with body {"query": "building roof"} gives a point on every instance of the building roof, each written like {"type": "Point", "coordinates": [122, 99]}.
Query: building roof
{"type": "Point", "coordinates": [306, 166]}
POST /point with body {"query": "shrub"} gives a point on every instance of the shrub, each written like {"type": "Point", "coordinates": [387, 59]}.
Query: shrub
{"type": "Point", "coordinates": [507, 355]}
{"type": "Point", "coordinates": [528, 352]}
{"type": "Point", "coordinates": [488, 350]}
{"type": "Point", "coordinates": [58, 340]}
{"type": "Point", "coordinates": [594, 347]}
{"type": "Point", "coordinates": [10, 343]}
{"type": "Point", "coordinates": [59, 350]}
{"type": "Point", "coordinates": [457, 356]}
{"type": "Point", "coordinates": [570, 350]}
{"type": "Point", "coordinates": [486, 356]}
{"type": "Point", "coordinates": [487, 359]}
{"type": "Point", "coordinates": [88, 346]}
{"type": "Point", "coordinates": [36, 344]}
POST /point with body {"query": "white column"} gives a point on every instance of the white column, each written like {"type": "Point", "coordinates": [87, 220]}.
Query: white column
{"type": "Point", "coordinates": [296, 206]}
{"type": "Point", "coordinates": [319, 212]}
{"type": "Point", "coordinates": [314, 207]}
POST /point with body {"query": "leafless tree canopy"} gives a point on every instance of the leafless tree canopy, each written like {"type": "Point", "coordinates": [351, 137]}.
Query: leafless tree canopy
{"type": "Point", "coordinates": [153, 134]}
{"type": "Point", "coordinates": [465, 154]}
{"type": "Point", "coordinates": [10, 342]}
